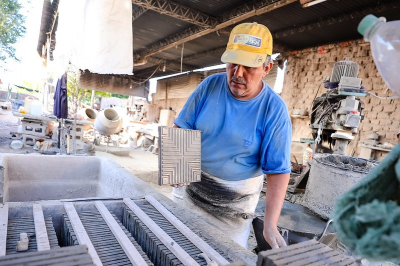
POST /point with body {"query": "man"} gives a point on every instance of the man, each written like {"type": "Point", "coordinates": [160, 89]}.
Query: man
{"type": "Point", "coordinates": [246, 132]}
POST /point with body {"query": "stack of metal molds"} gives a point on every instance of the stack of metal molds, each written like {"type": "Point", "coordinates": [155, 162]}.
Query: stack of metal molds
{"type": "Point", "coordinates": [27, 225]}
{"type": "Point", "coordinates": [103, 240]}
{"type": "Point", "coordinates": [68, 256]}
{"type": "Point", "coordinates": [157, 252]}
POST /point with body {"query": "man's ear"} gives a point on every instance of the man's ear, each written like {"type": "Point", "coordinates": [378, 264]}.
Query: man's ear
{"type": "Point", "coordinates": [268, 67]}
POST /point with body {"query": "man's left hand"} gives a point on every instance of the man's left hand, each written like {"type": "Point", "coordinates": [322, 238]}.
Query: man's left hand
{"type": "Point", "coordinates": [273, 237]}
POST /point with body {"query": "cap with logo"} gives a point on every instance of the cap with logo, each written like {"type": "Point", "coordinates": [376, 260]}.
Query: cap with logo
{"type": "Point", "coordinates": [249, 44]}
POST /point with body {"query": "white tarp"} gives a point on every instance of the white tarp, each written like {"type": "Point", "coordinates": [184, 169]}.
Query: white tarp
{"type": "Point", "coordinates": [95, 35]}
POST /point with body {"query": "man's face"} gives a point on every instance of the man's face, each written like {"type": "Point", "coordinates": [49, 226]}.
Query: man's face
{"type": "Point", "coordinates": [245, 82]}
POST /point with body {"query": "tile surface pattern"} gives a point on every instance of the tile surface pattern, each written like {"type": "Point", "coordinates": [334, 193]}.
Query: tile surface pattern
{"type": "Point", "coordinates": [179, 156]}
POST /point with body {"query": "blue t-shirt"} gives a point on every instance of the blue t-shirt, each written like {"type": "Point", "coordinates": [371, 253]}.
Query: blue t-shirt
{"type": "Point", "coordinates": [241, 139]}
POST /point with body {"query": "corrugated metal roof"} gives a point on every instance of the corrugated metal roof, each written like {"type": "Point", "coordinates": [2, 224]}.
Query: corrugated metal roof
{"type": "Point", "coordinates": [212, 7]}
{"type": "Point", "coordinates": [48, 12]}
{"type": "Point", "coordinates": [151, 28]}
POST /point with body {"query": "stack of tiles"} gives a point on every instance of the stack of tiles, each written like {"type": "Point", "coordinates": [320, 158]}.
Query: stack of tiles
{"type": "Point", "coordinates": [27, 225]}
{"type": "Point", "coordinates": [68, 256]}
{"type": "Point", "coordinates": [156, 250]}
{"type": "Point", "coordinates": [305, 253]}
{"type": "Point", "coordinates": [103, 240]}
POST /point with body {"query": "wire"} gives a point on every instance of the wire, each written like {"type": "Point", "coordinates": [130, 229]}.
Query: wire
{"type": "Point", "coordinates": [320, 104]}
{"type": "Point", "coordinates": [152, 74]}
{"type": "Point", "coordinates": [317, 90]}
{"type": "Point", "coordinates": [183, 46]}
{"type": "Point", "coordinates": [383, 98]}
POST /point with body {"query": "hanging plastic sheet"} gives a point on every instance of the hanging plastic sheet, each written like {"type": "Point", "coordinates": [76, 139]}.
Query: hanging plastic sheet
{"type": "Point", "coordinates": [95, 35]}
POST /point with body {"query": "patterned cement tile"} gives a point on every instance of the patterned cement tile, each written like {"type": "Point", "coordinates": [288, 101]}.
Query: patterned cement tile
{"type": "Point", "coordinates": [179, 156]}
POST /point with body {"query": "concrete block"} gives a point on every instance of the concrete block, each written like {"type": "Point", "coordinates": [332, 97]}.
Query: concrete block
{"type": "Point", "coordinates": [378, 108]}
{"type": "Point", "coordinates": [376, 128]}
{"type": "Point", "coordinates": [382, 115]}
{"type": "Point", "coordinates": [374, 121]}
{"type": "Point", "coordinates": [32, 128]}
{"type": "Point", "coordinates": [366, 127]}
{"type": "Point", "coordinates": [389, 108]}
{"type": "Point", "coordinates": [375, 101]}
{"type": "Point", "coordinates": [396, 124]}
{"type": "Point", "coordinates": [31, 139]}
{"type": "Point", "coordinates": [304, 253]}
{"type": "Point", "coordinates": [385, 122]}
{"type": "Point", "coordinates": [371, 115]}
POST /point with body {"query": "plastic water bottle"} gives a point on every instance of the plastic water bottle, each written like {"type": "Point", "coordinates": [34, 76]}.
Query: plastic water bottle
{"type": "Point", "coordinates": [385, 46]}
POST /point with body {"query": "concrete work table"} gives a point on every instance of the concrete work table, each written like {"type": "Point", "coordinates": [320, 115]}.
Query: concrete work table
{"type": "Point", "coordinates": [53, 181]}
{"type": "Point", "coordinates": [50, 119]}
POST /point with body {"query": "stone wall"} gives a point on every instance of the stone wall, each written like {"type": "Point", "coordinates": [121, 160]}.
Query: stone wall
{"type": "Point", "coordinates": [307, 69]}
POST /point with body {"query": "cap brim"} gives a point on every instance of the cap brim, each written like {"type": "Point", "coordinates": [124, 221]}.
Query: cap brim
{"type": "Point", "coordinates": [243, 58]}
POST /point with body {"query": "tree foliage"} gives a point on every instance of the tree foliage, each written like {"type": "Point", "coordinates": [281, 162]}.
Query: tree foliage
{"type": "Point", "coordinates": [11, 27]}
{"type": "Point", "coordinates": [75, 93]}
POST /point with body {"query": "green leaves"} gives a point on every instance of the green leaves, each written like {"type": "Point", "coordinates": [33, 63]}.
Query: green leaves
{"type": "Point", "coordinates": [11, 27]}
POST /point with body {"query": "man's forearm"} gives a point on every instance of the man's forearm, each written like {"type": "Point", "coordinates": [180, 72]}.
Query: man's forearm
{"type": "Point", "coordinates": [275, 195]}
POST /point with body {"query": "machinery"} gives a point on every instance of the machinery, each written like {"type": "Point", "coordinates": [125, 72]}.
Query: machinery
{"type": "Point", "coordinates": [336, 114]}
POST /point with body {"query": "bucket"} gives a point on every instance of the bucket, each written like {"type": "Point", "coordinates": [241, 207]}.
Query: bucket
{"type": "Point", "coordinates": [330, 176]}
{"type": "Point", "coordinates": [27, 103]}
{"type": "Point", "coordinates": [36, 108]}
{"type": "Point", "coordinates": [16, 144]}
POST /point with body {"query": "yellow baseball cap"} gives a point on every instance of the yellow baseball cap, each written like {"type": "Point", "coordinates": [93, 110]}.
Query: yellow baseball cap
{"type": "Point", "coordinates": [249, 44]}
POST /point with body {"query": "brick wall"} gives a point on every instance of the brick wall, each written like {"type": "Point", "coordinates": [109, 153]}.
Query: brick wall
{"type": "Point", "coordinates": [306, 70]}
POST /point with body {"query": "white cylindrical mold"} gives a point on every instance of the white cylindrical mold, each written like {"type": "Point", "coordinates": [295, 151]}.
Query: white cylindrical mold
{"type": "Point", "coordinates": [108, 122]}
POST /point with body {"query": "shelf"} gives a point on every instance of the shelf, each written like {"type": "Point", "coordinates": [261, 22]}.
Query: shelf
{"type": "Point", "coordinates": [374, 148]}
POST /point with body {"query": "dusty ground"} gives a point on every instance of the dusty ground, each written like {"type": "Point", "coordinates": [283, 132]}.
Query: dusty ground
{"type": "Point", "coordinates": [139, 162]}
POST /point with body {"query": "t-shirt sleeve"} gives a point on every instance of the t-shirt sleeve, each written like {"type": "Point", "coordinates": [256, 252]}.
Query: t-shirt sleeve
{"type": "Point", "coordinates": [275, 156]}
{"type": "Point", "coordinates": [188, 115]}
